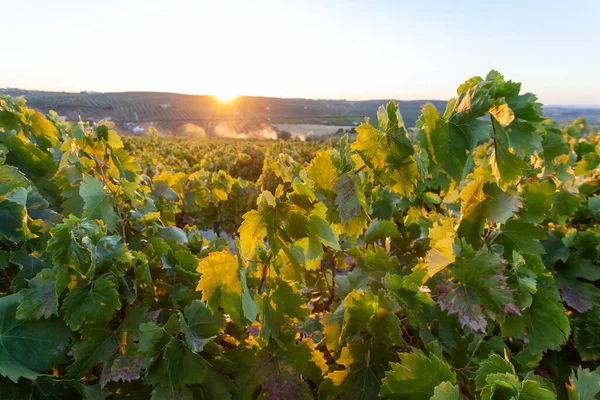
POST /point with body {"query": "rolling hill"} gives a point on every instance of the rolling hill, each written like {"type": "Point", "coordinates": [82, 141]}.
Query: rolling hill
{"type": "Point", "coordinates": [171, 111]}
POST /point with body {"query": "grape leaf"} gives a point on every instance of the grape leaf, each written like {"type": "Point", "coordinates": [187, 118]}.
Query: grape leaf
{"type": "Point", "coordinates": [483, 202]}
{"type": "Point", "coordinates": [199, 325]}
{"type": "Point", "coordinates": [523, 237]}
{"type": "Point", "coordinates": [575, 280]}
{"type": "Point", "coordinates": [507, 166]}
{"type": "Point", "coordinates": [29, 348]}
{"type": "Point", "coordinates": [494, 364]}
{"type": "Point", "coordinates": [281, 306]}
{"type": "Point", "coordinates": [586, 331]}
{"type": "Point", "coordinates": [416, 377]}
{"type": "Point", "coordinates": [364, 367]}
{"type": "Point", "coordinates": [583, 384]}
{"type": "Point", "coordinates": [347, 198]}
{"type": "Point", "coordinates": [252, 232]}
{"type": "Point", "coordinates": [97, 301]}
{"type": "Point", "coordinates": [41, 298]}
{"type": "Point", "coordinates": [479, 284]}
{"type": "Point", "coordinates": [381, 229]}
{"type": "Point", "coordinates": [446, 391]}
{"type": "Point", "coordinates": [564, 205]}
{"type": "Point", "coordinates": [322, 171]}
{"type": "Point", "coordinates": [99, 344]}
{"type": "Point", "coordinates": [220, 284]}
{"type": "Point", "coordinates": [97, 203]}
{"type": "Point", "coordinates": [183, 367]}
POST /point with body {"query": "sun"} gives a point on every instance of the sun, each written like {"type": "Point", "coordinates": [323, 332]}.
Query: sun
{"type": "Point", "coordinates": [225, 96]}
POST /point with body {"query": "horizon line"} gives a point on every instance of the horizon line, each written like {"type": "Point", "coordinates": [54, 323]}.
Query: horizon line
{"type": "Point", "coordinates": [594, 105]}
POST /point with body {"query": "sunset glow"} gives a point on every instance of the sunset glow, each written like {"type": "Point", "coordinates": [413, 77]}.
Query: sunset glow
{"type": "Point", "coordinates": [225, 96]}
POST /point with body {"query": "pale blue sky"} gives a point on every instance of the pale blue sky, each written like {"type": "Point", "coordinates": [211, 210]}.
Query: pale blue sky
{"type": "Point", "coordinates": [319, 49]}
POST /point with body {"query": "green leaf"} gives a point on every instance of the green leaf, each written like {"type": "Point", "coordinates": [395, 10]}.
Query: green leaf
{"type": "Point", "coordinates": [104, 254]}
{"type": "Point", "coordinates": [199, 325]}
{"type": "Point", "coordinates": [564, 206]}
{"type": "Point", "coordinates": [364, 367]}
{"type": "Point", "coordinates": [479, 284]}
{"type": "Point", "coordinates": [385, 324]}
{"type": "Point", "coordinates": [416, 377]}
{"type": "Point", "coordinates": [494, 364]}
{"type": "Point", "coordinates": [554, 146]}
{"type": "Point", "coordinates": [575, 280]}
{"type": "Point", "coordinates": [586, 331]}
{"type": "Point", "coordinates": [249, 307]}
{"type": "Point", "coordinates": [384, 203]}
{"type": "Point", "coordinates": [99, 343]}
{"type": "Point", "coordinates": [507, 167]}
{"type": "Point", "coordinates": [30, 264]}
{"type": "Point", "coordinates": [523, 237]}
{"type": "Point", "coordinates": [29, 349]}
{"type": "Point", "coordinates": [381, 229]}
{"type": "Point", "coordinates": [583, 384]}
{"type": "Point", "coordinates": [151, 336]}
{"type": "Point", "coordinates": [218, 386]}
{"type": "Point", "coordinates": [280, 307]}
{"type": "Point", "coordinates": [98, 301]}
{"type": "Point", "coordinates": [175, 234]}
{"type": "Point", "coordinates": [324, 231]}
{"type": "Point", "coordinates": [548, 325]}
{"type": "Point", "coordinates": [446, 391]}
{"type": "Point", "coordinates": [13, 215]}
{"type": "Point", "coordinates": [97, 204]}
{"type": "Point", "coordinates": [41, 298]}
{"type": "Point", "coordinates": [38, 390]}
{"type": "Point", "coordinates": [537, 200]}
{"type": "Point", "coordinates": [483, 202]}
{"type": "Point", "coordinates": [65, 243]}
{"type": "Point", "coordinates": [450, 139]}
{"type": "Point", "coordinates": [390, 154]}
{"type": "Point", "coordinates": [182, 366]}
{"type": "Point", "coordinates": [507, 385]}
{"type": "Point", "coordinates": [304, 358]}
{"type": "Point", "coordinates": [89, 392]}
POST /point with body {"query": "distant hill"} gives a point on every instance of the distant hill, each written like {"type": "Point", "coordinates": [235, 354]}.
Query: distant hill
{"type": "Point", "coordinates": [172, 110]}
{"type": "Point", "coordinates": [173, 107]}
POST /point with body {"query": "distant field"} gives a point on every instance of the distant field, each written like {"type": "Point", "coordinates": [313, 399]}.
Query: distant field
{"type": "Point", "coordinates": [188, 115]}
{"type": "Point", "coordinates": [306, 130]}
{"type": "Point", "coordinates": [171, 107]}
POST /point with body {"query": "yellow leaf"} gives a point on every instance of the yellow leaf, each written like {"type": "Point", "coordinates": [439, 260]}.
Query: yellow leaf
{"type": "Point", "coordinates": [372, 144]}
{"type": "Point", "coordinates": [322, 171]}
{"type": "Point", "coordinates": [503, 114]}
{"type": "Point", "coordinates": [442, 239]}
{"type": "Point", "coordinates": [220, 284]}
{"type": "Point", "coordinates": [252, 231]}
{"type": "Point", "coordinates": [472, 196]}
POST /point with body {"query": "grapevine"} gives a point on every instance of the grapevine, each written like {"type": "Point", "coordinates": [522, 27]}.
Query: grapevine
{"type": "Point", "coordinates": [459, 260]}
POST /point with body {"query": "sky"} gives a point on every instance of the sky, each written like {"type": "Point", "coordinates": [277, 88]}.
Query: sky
{"type": "Point", "coordinates": [330, 49]}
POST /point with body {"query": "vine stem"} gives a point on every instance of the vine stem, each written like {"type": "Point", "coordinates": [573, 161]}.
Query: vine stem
{"type": "Point", "coordinates": [488, 233]}
{"type": "Point", "coordinates": [332, 288]}
{"type": "Point", "coordinates": [6, 277]}
{"type": "Point", "coordinates": [475, 350]}
{"type": "Point", "coordinates": [114, 193]}
{"type": "Point", "coordinates": [360, 169]}
{"type": "Point", "coordinates": [495, 237]}
{"type": "Point", "coordinates": [263, 278]}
